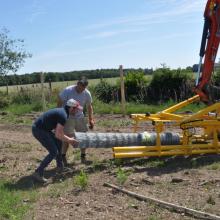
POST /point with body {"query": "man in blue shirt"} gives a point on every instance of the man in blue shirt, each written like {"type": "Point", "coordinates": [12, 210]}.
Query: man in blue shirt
{"type": "Point", "coordinates": [48, 130]}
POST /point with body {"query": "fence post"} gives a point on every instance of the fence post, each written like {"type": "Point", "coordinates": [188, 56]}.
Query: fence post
{"type": "Point", "coordinates": [123, 102]}
{"type": "Point", "coordinates": [42, 91]}
{"type": "Point", "coordinates": [50, 89]}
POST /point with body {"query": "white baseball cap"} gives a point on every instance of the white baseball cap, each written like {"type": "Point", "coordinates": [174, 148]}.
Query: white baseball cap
{"type": "Point", "coordinates": [74, 103]}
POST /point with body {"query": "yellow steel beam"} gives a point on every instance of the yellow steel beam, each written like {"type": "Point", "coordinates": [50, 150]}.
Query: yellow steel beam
{"type": "Point", "coordinates": [202, 113]}
{"type": "Point", "coordinates": [164, 148]}
{"type": "Point", "coordinates": [182, 104]}
{"type": "Point", "coordinates": [160, 115]}
{"type": "Point", "coordinates": [164, 153]}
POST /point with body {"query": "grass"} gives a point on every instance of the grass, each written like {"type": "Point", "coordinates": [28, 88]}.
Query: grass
{"type": "Point", "coordinates": [153, 218]}
{"type": "Point", "coordinates": [96, 164]}
{"type": "Point", "coordinates": [210, 200]}
{"type": "Point", "coordinates": [115, 108]}
{"type": "Point", "coordinates": [121, 176]}
{"type": "Point", "coordinates": [55, 85]}
{"type": "Point", "coordinates": [214, 166]}
{"type": "Point", "coordinates": [57, 189]}
{"type": "Point", "coordinates": [14, 113]}
{"type": "Point", "coordinates": [77, 154]}
{"type": "Point", "coordinates": [61, 84]}
{"type": "Point", "coordinates": [81, 180]}
{"type": "Point", "coordinates": [14, 204]}
{"type": "Point", "coordinates": [156, 163]}
{"type": "Point", "coordinates": [16, 110]}
{"type": "Point", "coordinates": [3, 167]}
{"type": "Point", "coordinates": [119, 123]}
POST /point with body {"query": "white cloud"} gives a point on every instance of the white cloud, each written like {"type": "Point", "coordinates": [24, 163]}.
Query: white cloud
{"type": "Point", "coordinates": [106, 34]}
{"type": "Point", "coordinates": [173, 10]}
{"type": "Point", "coordinates": [36, 10]}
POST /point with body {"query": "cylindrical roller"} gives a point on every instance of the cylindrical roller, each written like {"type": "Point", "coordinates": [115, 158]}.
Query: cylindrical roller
{"type": "Point", "coordinates": [166, 138]}
{"type": "Point", "coordinates": [109, 140]}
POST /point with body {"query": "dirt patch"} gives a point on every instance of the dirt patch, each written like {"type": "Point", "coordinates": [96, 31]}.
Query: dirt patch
{"type": "Point", "coordinates": [193, 182]}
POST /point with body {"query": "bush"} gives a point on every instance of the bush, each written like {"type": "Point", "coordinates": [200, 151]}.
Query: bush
{"type": "Point", "coordinates": [106, 92]}
{"type": "Point", "coordinates": [216, 78]}
{"type": "Point", "coordinates": [169, 84]}
{"type": "Point", "coordinates": [4, 100]}
{"type": "Point", "coordinates": [135, 87]}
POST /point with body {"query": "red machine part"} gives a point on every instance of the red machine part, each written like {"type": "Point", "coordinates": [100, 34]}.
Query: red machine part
{"type": "Point", "coordinates": [209, 47]}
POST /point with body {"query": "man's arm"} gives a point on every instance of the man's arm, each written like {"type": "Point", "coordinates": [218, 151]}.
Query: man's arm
{"type": "Point", "coordinates": [59, 134]}
{"type": "Point", "coordinates": [90, 114]}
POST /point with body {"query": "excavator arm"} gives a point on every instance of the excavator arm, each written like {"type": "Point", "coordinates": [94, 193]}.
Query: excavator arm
{"type": "Point", "coordinates": [209, 48]}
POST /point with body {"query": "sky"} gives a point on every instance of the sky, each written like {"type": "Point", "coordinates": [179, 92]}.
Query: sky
{"type": "Point", "coordinates": [72, 35]}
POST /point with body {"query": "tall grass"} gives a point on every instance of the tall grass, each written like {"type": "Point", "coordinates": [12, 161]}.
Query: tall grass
{"type": "Point", "coordinates": [55, 85]}
{"type": "Point", "coordinates": [12, 202]}
{"type": "Point", "coordinates": [25, 101]}
{"type": "Point", "coordinates": [14, 111]}
{"type": "Point", "coordinates": [132, 108]}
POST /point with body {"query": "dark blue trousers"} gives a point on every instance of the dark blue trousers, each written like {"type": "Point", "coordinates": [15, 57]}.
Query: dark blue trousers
{"type": "Point", "coordinates": [52, 144]}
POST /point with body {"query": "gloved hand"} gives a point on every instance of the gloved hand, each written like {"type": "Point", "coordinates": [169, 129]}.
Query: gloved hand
{"type": "Point", "coordinates": [91, 124]}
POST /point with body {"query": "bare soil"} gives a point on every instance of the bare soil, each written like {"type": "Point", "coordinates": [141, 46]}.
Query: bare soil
{"type": "Point", "coordinates": [193, 182]}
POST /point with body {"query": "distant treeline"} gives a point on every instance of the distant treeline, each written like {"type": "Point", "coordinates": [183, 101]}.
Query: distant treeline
{"type": "Point", "coordinates": [65, 76]}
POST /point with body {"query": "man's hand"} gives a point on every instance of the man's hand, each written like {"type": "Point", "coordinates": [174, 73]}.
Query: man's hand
{"type": "Point", "coordinates": [91, 124]}
{"type": "Point", "coordinates": [73, 142]}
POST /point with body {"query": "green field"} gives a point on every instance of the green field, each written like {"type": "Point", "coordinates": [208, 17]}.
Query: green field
{"type": "Point", "coordinates": [55, 85]}
{"type": "Point", "coordinates": [59, 85]}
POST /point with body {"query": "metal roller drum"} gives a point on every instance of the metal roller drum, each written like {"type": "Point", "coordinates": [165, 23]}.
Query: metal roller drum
{"type": "Point", "coordinates": [109, 140]}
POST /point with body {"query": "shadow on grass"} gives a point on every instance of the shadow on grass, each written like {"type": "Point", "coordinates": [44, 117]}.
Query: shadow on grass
{"type": "Point", "coordinates": [26, 183]}
{"type": "Point", "coordinates": [153, 166]}
{"type": "Point", "coordinates": [158, 166]}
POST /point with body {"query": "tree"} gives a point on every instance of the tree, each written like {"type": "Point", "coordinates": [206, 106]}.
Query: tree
{"type": "Point", "coordinates": [12, 54]}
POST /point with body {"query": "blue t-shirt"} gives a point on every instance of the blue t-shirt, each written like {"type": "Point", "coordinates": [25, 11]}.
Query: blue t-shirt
{"type": "Point", "coordinates": [49, 120]}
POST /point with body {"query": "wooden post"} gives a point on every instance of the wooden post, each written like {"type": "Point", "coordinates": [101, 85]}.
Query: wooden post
{"type": "Point", "coordinates": [50, 89]}
{"type": "Point", "coordinates": [50, 85]}
{"type": "Point", "coordinates": [167, 205]}
{"type": "Point", "coordinates": [122, 90]}
{"type": "Point", "coordinates": [6, 80]}
{"type": "Point", "coordinates": [42, 91]}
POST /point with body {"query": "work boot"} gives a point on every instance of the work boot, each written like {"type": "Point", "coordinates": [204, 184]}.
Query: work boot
{"type": "Point", "coordinates": [64, 160]}
{"type": "Point", "coordinates": [64, 170]}
{"type": "Point", "coordinates": [39, 178]}
{"type": "Point", "coordinates": [83, 158]}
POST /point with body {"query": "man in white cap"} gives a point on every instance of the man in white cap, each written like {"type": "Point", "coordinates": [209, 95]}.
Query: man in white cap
{"type": "Point", "coordinates": [48, 129]}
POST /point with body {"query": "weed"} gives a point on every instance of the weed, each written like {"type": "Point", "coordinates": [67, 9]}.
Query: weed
{"type": "Point", "coordinates": [118, 162]}
{"type": "Point", "coordinates": [118, 123]}
{"type": "Point", "coordinates": [214, 166]}
{"type": "Point", "coordinates": [96, 164]}
{"type": "Point", "coordinates": [3, 167]}
{"type": "Point", "coordinates": [154, 163]}
{"type": "Point", "coordinates": [81, 180]}
{"type": "Point", "coordinates": [58, 188]}
{"type": "Point", "coordinates": [210, 200]}
{"type": "Point", "coordinates": [132, 203]}
{"type": "Point", "coordinates": [77, 154]}
{"type": "Point", "coordinates": [109, 164]}
{"type": "Point", "coordinates": [194, 163]}
{"type": "Point", "coordinates": [152, 218]}
{"type": "Point", "coordinates": [54, 192]}
{"type": "Point", "coordinates": [121, 176]}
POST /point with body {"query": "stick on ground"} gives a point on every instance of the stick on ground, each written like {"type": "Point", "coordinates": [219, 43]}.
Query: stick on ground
{"type": "Point", "coordinates": [167, 205]}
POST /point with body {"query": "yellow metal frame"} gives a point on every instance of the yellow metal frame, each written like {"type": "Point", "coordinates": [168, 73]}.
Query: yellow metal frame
{"type": "Point", "coordinates": [206, 141]}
